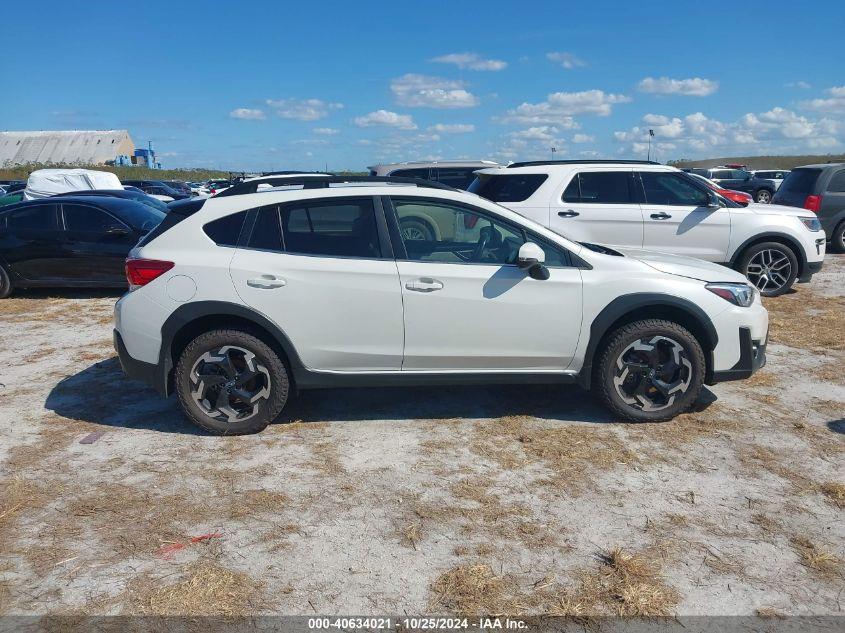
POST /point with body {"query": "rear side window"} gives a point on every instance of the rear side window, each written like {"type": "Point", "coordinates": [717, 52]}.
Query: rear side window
{"type": "Point", "coordinates": [800, 181]}
{"type": "Point", "coordinates": [600, 187]}
{"type": "Point", "coordinates": [266, 232]}
{"type": "Point", "coordinates": [225, 231]}
{"type": "Point", "coordinates": [837, 183]}
{"type": "Point", "coordinates": [507, 188]}
{"type": "Point", "coordinates": [411, 173]}
{"type": "Point", "coordinates": [332, 228]}
{"type": "Point", "coordinates": [39, 217]}
{"type": "Point", "coordinates": [79, 217]}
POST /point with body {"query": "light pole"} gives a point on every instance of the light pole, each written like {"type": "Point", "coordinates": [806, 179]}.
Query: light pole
{"type": "Point", "coordinates": [554, 149]}
{"type": "Point", "coordinates": [650, 134]}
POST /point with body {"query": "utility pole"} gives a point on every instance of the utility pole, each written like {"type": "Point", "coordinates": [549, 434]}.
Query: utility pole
{"type": "Point", "coordinates": [554, 149]}
{"type": "Point", "coordinates": [650, 134]}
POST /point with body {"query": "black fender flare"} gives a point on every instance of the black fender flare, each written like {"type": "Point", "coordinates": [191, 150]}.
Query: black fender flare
{"type": "Point", "coordinates": [778, 237]}
{"type": "Point", "coordinates": [188, 313]}
{"type": "Point", "coordinates": [626, 304]}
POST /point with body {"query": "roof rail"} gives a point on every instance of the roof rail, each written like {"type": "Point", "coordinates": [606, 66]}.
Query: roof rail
{"type": "Point", "coordinates": [322, 182]}
{"type": "Point", "coordinates": [538, 163]}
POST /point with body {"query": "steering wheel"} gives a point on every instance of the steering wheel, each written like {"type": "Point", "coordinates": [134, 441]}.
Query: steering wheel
{"type": "Point", "coordinates": [483, 240]}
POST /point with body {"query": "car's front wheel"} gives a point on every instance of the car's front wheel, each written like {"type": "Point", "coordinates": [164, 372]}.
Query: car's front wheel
{"type": "Point", "coordinates": [230, 382]}
{"type": "Point", "coordinates": [764, 196]}
{"type": "Point", "coordinates": [771, 266]}
{"type": "Point", "coordinates": [650, 371]}
{"type": "Point", "coordinates": [837, 238]}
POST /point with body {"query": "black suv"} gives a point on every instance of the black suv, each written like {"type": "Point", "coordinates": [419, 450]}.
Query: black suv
{"type": "Point", "coordinates": [821, 189]}
{"type": "Point", "coordinates": [761, 190]}
{"type": "Point", "coordinates": [157, 188]}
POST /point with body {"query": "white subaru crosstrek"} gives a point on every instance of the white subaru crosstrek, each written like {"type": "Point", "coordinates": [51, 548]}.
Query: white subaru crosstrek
{"type": "Point", "coordinates": [638, 204]}
{"type": "Point", "coordinates": [237, 304]}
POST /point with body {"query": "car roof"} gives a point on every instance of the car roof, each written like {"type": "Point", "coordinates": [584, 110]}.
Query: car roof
{"type": "Point", "coordinates": [541, 167]}
{"type": "Point", "coordinates": [820, 166]}
{"type": "Point", "coordinates": [437, 163]}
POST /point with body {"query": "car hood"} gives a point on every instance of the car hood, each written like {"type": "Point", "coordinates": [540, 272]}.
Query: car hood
{"type": "Point", "coordinates": [684, 266]}
{"type": "Point", "coordinates": [778, 209]}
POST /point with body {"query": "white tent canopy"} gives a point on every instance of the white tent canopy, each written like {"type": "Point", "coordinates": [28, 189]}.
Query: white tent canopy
{"type": "Point", "coordinates": [49, 182]}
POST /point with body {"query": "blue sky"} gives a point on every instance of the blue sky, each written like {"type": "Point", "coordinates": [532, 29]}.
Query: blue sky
{"type": "Point", "coordinates": [261, 85]}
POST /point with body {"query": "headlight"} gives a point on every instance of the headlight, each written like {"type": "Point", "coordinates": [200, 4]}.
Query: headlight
{"type": "Point", "coordinates": [738, 294]}
{"type": "Point", "coordinates": [813, 224]}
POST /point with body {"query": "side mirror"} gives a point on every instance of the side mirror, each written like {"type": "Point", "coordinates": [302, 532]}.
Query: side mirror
{"type": "Point", "coordinates": [531, 259]}
{"type": "Point", "coordinates": [713, 201]}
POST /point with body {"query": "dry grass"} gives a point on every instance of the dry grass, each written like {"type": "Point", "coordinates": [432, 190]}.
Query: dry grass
{"type": "Point", "coordinates": [835, 493]}
{"type": "Point", "coordinates": [822, 562]}
{"type": "Point", "coordinates": [473, 590]}
{"type": "Point", "coordinates": [207, 589]}
{"type": "Point", "coordinates": [807, 320]}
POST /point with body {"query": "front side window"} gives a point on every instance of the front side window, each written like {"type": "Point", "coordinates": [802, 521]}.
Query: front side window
{"type": "Point", "coordinates": [332, 228]}
{"type": "Point", "coordinates": [667, 188]}
{"type": "Point", "coordinates": [600, 187]}
{"type": "Point", "coordinates": [507, 187]}
{"type": "Point", "coordinates": [455, 234]}
{"type": "Point", "coordinates": [80, 217]}
{"type": "Point", "coordinates": [35, 218]}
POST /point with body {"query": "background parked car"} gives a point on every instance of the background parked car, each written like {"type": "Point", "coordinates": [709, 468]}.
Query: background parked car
{"type": "Point", "coordinates": [739, 180]}
{"type": "Point", "coordinates": [775, 175]}
{"type": "Point", "coordinates": [821, 189]}
{"type": "Point", "coordinates": [216, 186]}
{"type": "Point", "coordinates": [70, 241]}
{"type": "Point", "coordinates": [740, 197]}
{"type": "Point", "coordinates": [157, 188]}
{"type": "Point", "coordinates": [457, 174]}
{"type": "Point", "coordinates": [127, 194]}
{"type": "Point", "coordinates": [178, 185]}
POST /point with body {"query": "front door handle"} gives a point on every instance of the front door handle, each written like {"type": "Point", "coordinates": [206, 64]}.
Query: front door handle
{"type": "Point", "coordinates": [424, 284]}
{"type": "Point", "coordinates": [569, 213]}
{"type": "Point", "coordinates": [266, 282]}
{"type": "Point", "coordinates": [660, 216]}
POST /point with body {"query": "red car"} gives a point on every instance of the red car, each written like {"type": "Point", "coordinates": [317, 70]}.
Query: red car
{"type": "Point", "coordinates": [740, 197]}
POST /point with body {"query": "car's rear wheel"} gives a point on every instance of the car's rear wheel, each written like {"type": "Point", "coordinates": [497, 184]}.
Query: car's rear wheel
{"type": "Point", "coordinates": [764, 196]}
{"type": "Point", "coordinates": [650, 371]}
{"type": "Point", "coordinates": [230, 382]}
{"type": "Point", "coordinates": [771, 266]}
{"type": "Point", "coordinates": [5, 282]}
{"type": "Point", "coordinates": [837, 238]}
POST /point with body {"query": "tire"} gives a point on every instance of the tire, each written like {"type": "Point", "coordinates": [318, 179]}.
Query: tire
{"type": "Point", "coordinates": [763, 196]}
{"type": "Point", "coordinates": [414, 229]}
{"type": "Point", "coordinates": [5, 283]}
{"type": "Point", "coordinates": [226, 357]}
{"type": "Point", "coordinates": [764, 265]}
{"type": "Point", "coordinates": [631, 391]}
{"type": "Point", "coordinates": [837, 238]}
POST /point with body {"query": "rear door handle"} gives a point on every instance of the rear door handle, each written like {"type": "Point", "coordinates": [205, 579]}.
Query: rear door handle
{"type": "Point", "coordinates": [569, 213]}
{"type": "Point", "coordinates": [424, 284]}
{"type": "Point", "coordinates": [266, 282]}
{"type": "Point", "coordinates": [660, 216]}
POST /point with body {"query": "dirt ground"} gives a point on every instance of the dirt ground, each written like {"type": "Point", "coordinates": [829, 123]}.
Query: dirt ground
{"type": "Point", "coordinates": [518, 500]}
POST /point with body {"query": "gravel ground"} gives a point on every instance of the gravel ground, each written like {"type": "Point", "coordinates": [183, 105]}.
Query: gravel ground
{"type": "Point", "coordinates": [519, 500]}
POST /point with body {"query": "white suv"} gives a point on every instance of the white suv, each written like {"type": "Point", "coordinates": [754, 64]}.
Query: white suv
{"type": "Point", "coordinates": [253, 296]}
{"type": "Point", "coordinates": [642, 205]}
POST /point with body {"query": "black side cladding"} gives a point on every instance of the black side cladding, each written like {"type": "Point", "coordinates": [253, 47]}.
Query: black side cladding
{"type": "Point", "coordinates": [176, 212]}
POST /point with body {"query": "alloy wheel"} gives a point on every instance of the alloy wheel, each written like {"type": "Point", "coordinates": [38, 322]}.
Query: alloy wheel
{"type": "Point", "coordinates": [764, 197]}
{"type": "Point", "coordinates": [652, 372]}
{"type": "Point", "coordinates": [229, 384]}
{"type": "Point", "coordinates": [769, 270]}
{"type": "Point", "coordinates": [412, 233]}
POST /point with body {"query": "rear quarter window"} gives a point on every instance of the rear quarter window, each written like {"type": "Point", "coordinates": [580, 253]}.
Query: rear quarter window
{"type": "Point", "coordinates": [507, 187]}
{"type": "Point", "coordinates": [226, 231]}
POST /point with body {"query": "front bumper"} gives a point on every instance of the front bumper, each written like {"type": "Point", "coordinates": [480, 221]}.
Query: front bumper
{"type": "Point", "coordinates": [810, 269]}
{"type": "Point", "coordinates": [752, 356]}
{"type": "Point", "coordinates": [138, 369]}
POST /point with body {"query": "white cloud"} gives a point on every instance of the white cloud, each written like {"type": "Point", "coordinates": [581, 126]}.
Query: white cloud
{"type": "Point", "coordinates": [471, 61]}
{"type": "Point", "coordinates": [386, 118]}
{"type": "Point", "coordinates": [251, 114]}
{"type": "Point", "coordinates": [537, 133]}
{"type": "Point", "coordinates": [567, 60]}
{"type": "Point", "coordinates": [424, 91]}
{"type": "Point", "coordinates": [302, 109]}
{"type": "Point", "coordinates": [560, 107]}
{"type": "Point", "coordinates": [778, 129]}
{"type": "Point", "coordinates": [325, 131]}
{"type": "Point", "coordinates": [801, 85]}
{"type": "Point", "coordinates": [452, 128]}
{"type": "Point", "coordinates": [835, 102]}
{"type": "Point", "coordinates": [583, 138]}
{"type": "Point", "coordinates": [695, 87]}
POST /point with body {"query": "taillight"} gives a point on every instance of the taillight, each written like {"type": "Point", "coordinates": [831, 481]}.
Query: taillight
{"type": "Point", "coordinates": [813, 203]}
{"type": "Point", "coordinates": [140, 272]}
{"type": "Point", "coordinates": [470, 220]}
